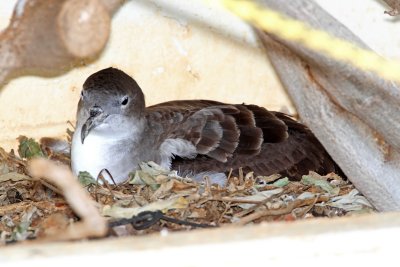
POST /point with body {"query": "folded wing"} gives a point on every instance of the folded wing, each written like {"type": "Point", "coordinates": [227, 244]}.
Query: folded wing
{"type": "Point", "coordinates": [233, 136]}
{"type": "Point", "coordinates": [218, 130]}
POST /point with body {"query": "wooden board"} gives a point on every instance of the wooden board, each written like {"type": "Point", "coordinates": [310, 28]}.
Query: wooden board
{"type": "Point", "coordinates": [350, 240]}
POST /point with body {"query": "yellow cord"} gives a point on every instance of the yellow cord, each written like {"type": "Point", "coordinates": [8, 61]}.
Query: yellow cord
{"type": "Point", "coordinates": [318, 40]}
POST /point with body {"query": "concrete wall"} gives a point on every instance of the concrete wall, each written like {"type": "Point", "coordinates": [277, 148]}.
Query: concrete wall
{"type": "Point", "coordinates": [175, 50]}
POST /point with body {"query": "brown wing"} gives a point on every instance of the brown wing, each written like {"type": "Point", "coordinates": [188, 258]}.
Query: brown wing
{"type": "Point", "coordinates": [288, 147]}
{"type": "Point", "coordinates": [234, 136]}
{"type": "Point", "coordinates": [217, 130]}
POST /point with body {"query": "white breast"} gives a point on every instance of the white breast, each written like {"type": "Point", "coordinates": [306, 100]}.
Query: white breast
{"type": "Point", "coordinates": [99, 152]}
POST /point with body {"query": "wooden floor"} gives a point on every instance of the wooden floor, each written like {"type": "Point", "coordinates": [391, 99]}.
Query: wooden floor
{"type": "Point", "coordinates": [316, 242]}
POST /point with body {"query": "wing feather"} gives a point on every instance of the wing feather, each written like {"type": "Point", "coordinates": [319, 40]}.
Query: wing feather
{"type": "Point", "coordinates": [233, 136]}
{"type": "Point", "coordinates": [216, 129]}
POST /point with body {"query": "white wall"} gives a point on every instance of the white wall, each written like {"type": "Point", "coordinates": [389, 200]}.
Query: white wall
{"type": "Point", "coordinates": [175, 49]}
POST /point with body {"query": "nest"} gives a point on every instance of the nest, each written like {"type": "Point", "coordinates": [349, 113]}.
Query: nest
{"type": "Point", "coordinates": [152, 200]}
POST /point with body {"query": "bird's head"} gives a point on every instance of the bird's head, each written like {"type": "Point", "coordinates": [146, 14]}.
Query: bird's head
{"type": "Point", "coordinates": [109, 99]}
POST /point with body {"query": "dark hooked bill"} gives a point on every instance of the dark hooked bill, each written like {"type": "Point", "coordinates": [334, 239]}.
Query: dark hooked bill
{"type": "Point", "coordinates": [96, 118]}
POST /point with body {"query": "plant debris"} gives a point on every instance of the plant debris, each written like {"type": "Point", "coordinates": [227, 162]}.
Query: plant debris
{"type": "Point", "coordinates": [47, 207]}
{"type": "Point", "coordinates": [28, 148]}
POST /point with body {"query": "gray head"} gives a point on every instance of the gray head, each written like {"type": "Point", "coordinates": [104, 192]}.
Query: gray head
{"type": "Point", "coordinates": [109, 97]}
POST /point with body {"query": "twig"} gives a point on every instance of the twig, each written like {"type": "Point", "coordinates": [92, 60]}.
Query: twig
{"type": "Point", "coordinates": [275, 212]}
{"type": "Point", "coordinates": [241, 176]}
{"type": "Point", "coordinates": [49, 185]}
{"type": "Point", "coordinates": [308, 208]}
{"type": "Point", "coordinates": [227, 207]}
{"type": "Point", "coordinates": [207, 186]}
{"type": "Point", "coordinates": [228, 180]}
{"type": "Point", "coordinates": [92, 224]}
{"type": "Point", "coordinates": [236, 200]}
{"type": "Point", "coordinates": [105, 182]}
{"type": "Point", "coordinates": [113, 194]}
{"type": "Point", "coordinates": [23, 206]}
{"type": "Point", "coordinates": [261, 203]}
{"type": "Point", "coordinates": [268, 212]}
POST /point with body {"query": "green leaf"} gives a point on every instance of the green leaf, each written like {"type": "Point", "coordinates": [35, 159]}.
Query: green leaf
{"type": "Point", "coordinates": [281, 182]}
{"type": "Point", "coordinates": [28, 148]}
{"type": "Point", "coordinates": [323, 184]}
{"type": "Point", "coordinates": [143, 178]}
{"type": "Point", "coordinates": [86, 179]}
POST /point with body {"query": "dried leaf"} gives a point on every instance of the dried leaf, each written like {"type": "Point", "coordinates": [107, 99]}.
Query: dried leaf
{"type": "Point", "coordinates": [160, 179]}
{"type": "Point", "coordinates": [198, 213]}
{"type": "Point", "coordinates": [178, 186]}
{"type": "Point", "coordinates": [268, 179]}
{"type": "Point", "coordinates": [7, 221]}
{"type": "Point", "coordinates": [4, 168]}
{"type": "Point", "coordinates": [260, 196]}
{"type": "Point", "coordinates": [21, 232]}
{"type": "Point", "coordinates": [306, 195]}
{"type": "Point", "coordinates": [163, 205]}
{"type": "Point", "coordinates": [14, 176]}
{"type": "Point", "coordinates": [153, 168]}
{"type": "Point", "coordinates": [352, 201]}
{"type": "Point", "coordinates": [323, 184]}
{"type": "Point", "coordinates": [53, 224]}
{"type": "Point", "coordinates": [143, 178]}
{"type": "Point", "coordinates": [173, 186]}
{"type": "Point", "coordinates": [163, 190]}
{"type": "Point", "coordinates": [245, 198]}
{"type": "Point", "coordinates": [28, 148]}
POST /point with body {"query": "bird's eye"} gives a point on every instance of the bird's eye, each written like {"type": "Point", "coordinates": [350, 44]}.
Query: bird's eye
{"type": "Point", "coordinates": [82, 94]}
{"type": "Point", "coordinates": [124, 101]}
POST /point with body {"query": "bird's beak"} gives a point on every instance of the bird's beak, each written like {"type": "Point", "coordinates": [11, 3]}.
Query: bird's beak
{"type": "Point", "coordinates": [96, 117]}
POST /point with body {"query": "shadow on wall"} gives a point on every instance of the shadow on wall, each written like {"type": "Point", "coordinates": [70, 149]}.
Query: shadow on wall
{"type": "Point", "coordinates": [195, 13]}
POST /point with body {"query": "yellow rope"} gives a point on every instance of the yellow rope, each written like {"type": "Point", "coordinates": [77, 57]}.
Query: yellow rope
{"type": "Point", "coordinates": [318, 40]}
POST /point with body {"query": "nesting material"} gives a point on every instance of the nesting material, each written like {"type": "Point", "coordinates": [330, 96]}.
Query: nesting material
{"type": "Point", "coordinates": [42, 200]}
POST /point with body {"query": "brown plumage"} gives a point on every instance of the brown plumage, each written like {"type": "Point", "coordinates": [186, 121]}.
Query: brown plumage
{"type": "Point", "coordinates": [115, 131]}
{"type": "Point", "coordinates": [252, 138]}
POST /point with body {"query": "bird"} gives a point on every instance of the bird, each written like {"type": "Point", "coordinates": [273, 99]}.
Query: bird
{"type": "Point", "coordinates": [116, 132]}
